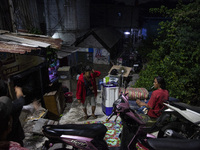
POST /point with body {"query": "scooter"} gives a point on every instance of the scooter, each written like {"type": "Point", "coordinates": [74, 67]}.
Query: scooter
{"type": "Point", "coordinates": [168, 144]}
{"type": "Point", "coordinates": [181, 129]}
{"type": "Point", "coordinates": [137, 66]}
{"type": "Point", "coordinates": [91, 136]}
{"type": "Point", "coordinates": [182, 121]}
{"type": "Point", "coordinates": [134, 126]}
{"type": "Point", "coordinates": [76, 136]}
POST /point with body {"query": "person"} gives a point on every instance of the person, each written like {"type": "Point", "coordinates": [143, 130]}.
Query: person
{"type": "Point", "coordinates": [155, 103]}
{"type": "Point", "coordinates": [17, 133]}
{"type": "Point", "coordinates": [6, 120]}
{"type": "Point", "coordinates": [86, 91]}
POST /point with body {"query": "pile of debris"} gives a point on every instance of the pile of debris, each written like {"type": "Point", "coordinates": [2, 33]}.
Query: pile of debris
{"type": "Point", "coordinates": [33, 119]}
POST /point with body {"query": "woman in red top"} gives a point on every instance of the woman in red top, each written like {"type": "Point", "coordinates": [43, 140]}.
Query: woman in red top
{"type": "Point", "coordinates": [155, 104]}
{"type": "Point", "coordinates": [86, 91]}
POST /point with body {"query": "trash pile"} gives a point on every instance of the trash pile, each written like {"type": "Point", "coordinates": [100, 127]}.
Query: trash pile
{"type": "Point", "coordinates": [32, 119]}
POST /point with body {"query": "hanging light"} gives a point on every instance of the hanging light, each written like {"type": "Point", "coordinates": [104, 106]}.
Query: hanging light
{"type": "Point", "coordinates": [127, 33]}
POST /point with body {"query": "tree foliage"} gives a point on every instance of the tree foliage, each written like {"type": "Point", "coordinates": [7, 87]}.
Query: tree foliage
{"type": "Point", "coordinates": [177, 53]}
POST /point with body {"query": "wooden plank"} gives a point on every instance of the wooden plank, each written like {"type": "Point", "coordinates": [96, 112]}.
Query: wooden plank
{"type": "Point", "coordinates": [29, 34]}
{"type": "Point", "coordinates": [4, 31]}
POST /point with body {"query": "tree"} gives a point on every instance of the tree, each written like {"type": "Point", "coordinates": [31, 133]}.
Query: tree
{"type": "Point", "coordinates": [177, 53]}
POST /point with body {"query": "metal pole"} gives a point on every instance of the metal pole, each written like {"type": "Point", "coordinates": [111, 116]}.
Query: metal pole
{"type": "Point", "coordinates": [12, 16]}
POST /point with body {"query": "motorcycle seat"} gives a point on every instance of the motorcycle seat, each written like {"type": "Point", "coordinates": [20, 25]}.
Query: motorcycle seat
{"type": "Point", "coordinates": [86, 130]}
{"type": "Point", "coordinates": [174, 144]}
{"type": "Point", "coordinates": [184, 106]}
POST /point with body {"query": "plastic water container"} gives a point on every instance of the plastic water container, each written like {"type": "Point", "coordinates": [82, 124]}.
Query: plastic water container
{"type": "Point", "coordinates": [110, 93]}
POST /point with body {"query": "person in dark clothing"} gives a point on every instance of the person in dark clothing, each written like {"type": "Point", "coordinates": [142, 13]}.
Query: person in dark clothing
{"type": "Point", "coordinates": [17, 132]}
{"type": "Point", "coordinates": [6, 125]}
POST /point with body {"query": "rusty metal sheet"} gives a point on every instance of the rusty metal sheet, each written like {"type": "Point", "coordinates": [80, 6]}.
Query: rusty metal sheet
{"type": "Point", "coordinates": [24, 42]}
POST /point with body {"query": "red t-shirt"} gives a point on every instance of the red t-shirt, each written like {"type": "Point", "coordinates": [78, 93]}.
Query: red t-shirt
{"type": "Point", "coordinates": [156, 102]}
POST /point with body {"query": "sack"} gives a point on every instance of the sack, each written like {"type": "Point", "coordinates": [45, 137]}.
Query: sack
{"type": "Point", "coordinates": [135, 93]}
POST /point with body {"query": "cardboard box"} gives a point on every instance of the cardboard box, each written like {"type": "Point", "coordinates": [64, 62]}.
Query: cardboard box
{"type": "Point", "coordinates": [119, 68]}
{"type": "Point", "coordinates": [55, 102]}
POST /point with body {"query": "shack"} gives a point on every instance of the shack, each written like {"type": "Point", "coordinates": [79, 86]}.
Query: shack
{"type": "Point", "coordinates": [105, 44]}
{"type": "Point", "coordinates": [29, 61]}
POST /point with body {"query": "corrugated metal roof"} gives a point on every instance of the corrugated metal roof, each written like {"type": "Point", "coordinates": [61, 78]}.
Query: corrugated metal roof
{"type": "Point", "coordinates": [66, 51]}
{"type": "Point", "coordinates": [109, 36]}
{"type": "Point", "coordinates": [23, 42]}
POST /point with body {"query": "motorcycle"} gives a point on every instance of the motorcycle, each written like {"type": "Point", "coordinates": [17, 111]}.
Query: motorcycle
{"type": "Point", "coordinates": [134, 126]}
{"type": "Point", "coordinates": [91, 136]}
{"type": "Point", "coordinates": [137, 66]}
{"type": "Point", "coordinates": [181, 129]}
{"type": "Point", "coordinates": [178, 120]}
{"type": "Point", "coordinates": [182, 121]}
{"type": "Point", "coordinates": [76, 136]}
{"type": "Point", "coordinates": [168, 144]}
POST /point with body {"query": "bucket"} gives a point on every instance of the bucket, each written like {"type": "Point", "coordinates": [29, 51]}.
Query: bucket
{"type": "Point", "coordinates": [68, 97]}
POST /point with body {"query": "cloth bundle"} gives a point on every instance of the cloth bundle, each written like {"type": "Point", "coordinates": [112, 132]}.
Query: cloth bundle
{"type": "Point", "coordinates": [135, 93]}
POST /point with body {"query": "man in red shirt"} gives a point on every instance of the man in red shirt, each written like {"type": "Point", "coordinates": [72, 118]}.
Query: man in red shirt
{"type": "Point", "coordinates": [155, 104]}
{"type": "Point", "coordinates": [86, 91]}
